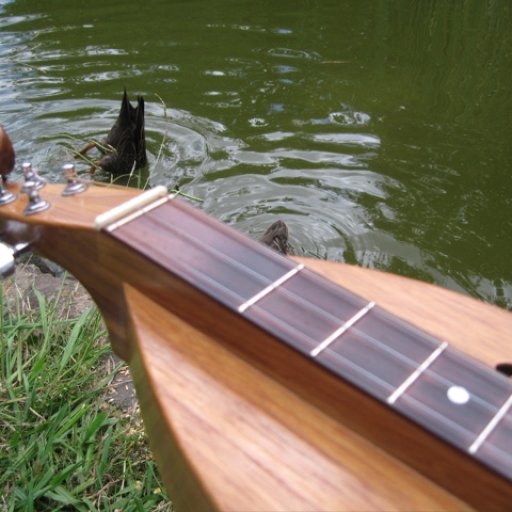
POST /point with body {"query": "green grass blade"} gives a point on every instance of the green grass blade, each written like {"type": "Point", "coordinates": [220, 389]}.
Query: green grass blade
{"type": "Point", "coordinates": [73, 337]}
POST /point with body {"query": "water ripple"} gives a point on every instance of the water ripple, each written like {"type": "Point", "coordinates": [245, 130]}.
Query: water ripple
{"type": "Point", "coordinates": [347, 139]}
{"type": "Point", "coordinates": [292, 115]}
{"type": "Point", "coordinates": [290, 53]}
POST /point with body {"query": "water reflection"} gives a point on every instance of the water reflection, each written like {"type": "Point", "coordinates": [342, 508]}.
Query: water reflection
{"type": "Point", "coordinates": [380, 132]}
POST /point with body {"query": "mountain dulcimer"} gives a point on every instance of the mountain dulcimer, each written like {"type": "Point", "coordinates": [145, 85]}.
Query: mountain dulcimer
{"type": "Point", "coordinates": [274, 383]}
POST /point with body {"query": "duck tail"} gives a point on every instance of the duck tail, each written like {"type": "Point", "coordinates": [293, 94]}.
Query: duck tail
{"type": "Point", "coordinates": [126, 108]}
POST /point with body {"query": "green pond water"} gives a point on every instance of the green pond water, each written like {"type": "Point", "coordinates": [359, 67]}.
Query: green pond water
{"type": "Point", "coordinates": [379, 131]}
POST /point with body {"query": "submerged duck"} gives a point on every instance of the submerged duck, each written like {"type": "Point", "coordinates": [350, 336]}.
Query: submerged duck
{"type": "Point", "coordinates": [124, 148]}
{"type": "Point", "coordinates": [276, 237]}
{"type": "Point", "coordinates": [7, 155]}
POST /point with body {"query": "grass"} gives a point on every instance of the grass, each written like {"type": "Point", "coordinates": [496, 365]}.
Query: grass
{"type": "Point", "coordinates": [63, 446]}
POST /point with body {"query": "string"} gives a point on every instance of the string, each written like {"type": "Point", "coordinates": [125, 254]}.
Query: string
{"type": "Point", "coordinates": [217, 253]}
{"type": "Point", "coordinates": [406, 396]}
{"type": "Point", "coordinates": [428, 371]}
{"type": "Point", "coordinates": [431, 372]}
{"type": "Point", "coordinates": [190, 270]}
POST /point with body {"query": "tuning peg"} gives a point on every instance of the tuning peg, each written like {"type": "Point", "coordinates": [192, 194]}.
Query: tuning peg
{"type": "Point", "coordinates": [35, 203]}
{"type": "Point", "coordinates": [33, 182]}
{"type": "Point", "coordinates": [6, 197]}
{"type": "Point", "coordinates": [32, 179]}
{"type": "Point", "coordinates": [74, 184]}
{"type": "Point", "coordinates": [8, 253]}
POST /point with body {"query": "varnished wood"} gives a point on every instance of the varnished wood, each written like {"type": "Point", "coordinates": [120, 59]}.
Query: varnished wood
{"type": "Point", "coordinates": [65, 233]}
{"type": "Point", "coordinates": [238, 435]}
{"type": "Point", "coordinates": [191, 357]}
{"type": "Point", "coordinates": [239, 440]}
{"type": "Point", "coordinates": [7, 155]}
{"type": "Point", "coordinates": [340, 401]}
{"type": "Point", "coordinates": [183, 255]}
{"type": "Point", "coordinates": [72, 212]}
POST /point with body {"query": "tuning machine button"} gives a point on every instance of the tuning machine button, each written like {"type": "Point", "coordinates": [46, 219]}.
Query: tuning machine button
{"type": "Point", "coordinates": [74, 184]}
{"type": "Point", "coordinates": [33, 182]}
{"type": "Point", "coordinates": [32, 179]}
{"type": "Point", "coordinates": [8, 253]}
{"type": "Point", "coordinates": [6, 197]}
{"type": "Point", "coordinates": [35, 203]}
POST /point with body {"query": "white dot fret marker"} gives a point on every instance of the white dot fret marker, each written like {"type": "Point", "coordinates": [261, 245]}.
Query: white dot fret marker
{"type": "Point", "coordinates": [270, 288]}
{"type": "Point", "coordinates": [458, 395]}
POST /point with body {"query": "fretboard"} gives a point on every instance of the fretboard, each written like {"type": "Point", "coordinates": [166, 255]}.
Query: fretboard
{"type": "Point", "coordinates": [449, 394]}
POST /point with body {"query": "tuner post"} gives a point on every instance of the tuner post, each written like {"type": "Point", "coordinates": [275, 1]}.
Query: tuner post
{"type": "Point", "coordinates": [32, 179]}
{"type": "Point", "coordinates": [6, 197]}
{"type": "Point", "coordinates": [74, 184]}
{"type": "Point", "coordinates": [35, 203]}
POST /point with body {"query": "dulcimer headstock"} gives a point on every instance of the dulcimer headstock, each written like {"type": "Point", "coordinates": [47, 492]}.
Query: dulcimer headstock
{"type": "Point", "coordinates": [32, 211]}
{"type": "Point", "coordinates": [62, 222]}
{"type": "Point", "coordinates": [75, 204]}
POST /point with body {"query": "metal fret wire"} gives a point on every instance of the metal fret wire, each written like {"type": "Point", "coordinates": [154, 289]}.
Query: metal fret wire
{"type": "Point", "coordinates": [491, 426]}
{"type": "Point", "coordinates": [216, 253]}
{"type": "Point", "coordinates": [270, 288]}
{"type": "Point", "coordinates": [400, 390]}
{"type": "Point", "coordinates": [298, 334]}
{"type": "Point", "coordinates": [448, 383]}
{"type": "Point", "coordinates": [496, 450]}
{"type": "Point", "coordinates": [397, 355]}
{"type": "Point", "coordinates": [342, 329]}
{"type": "Point", "coordinates": [299, 299]}
{"type": "Point", "coordinates": [491, 408]}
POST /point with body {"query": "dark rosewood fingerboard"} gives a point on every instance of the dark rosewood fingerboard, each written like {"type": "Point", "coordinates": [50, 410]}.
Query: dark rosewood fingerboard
{"type": "Point", "coordinates": [441, 389]}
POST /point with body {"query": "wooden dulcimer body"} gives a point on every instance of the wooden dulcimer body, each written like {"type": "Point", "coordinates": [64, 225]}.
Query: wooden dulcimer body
{"type": "Point", "coordinates": [265, 386]}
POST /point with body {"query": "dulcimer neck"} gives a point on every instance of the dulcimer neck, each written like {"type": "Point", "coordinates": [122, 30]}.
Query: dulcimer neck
{"type": "Point", "coordinates": [284, 315]}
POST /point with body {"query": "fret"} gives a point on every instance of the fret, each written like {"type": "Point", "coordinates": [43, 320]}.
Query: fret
{"type": "Point", "coordinates": [206, 253]}
{"type": "Point", "coordinates": [457, 398]}
{"type": "Point", "coordinates": [491, 425]}
{"type": "Point", "coordinates": [496, 449]}
{"type": "Point", "coordinates": [414, 376]}
{"type": "Point", "coordinates": [342, 329]}
{"type": "Point", "coordinates": [271, 287]}
{"type": "Point", "coordinates": [305, 310]}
